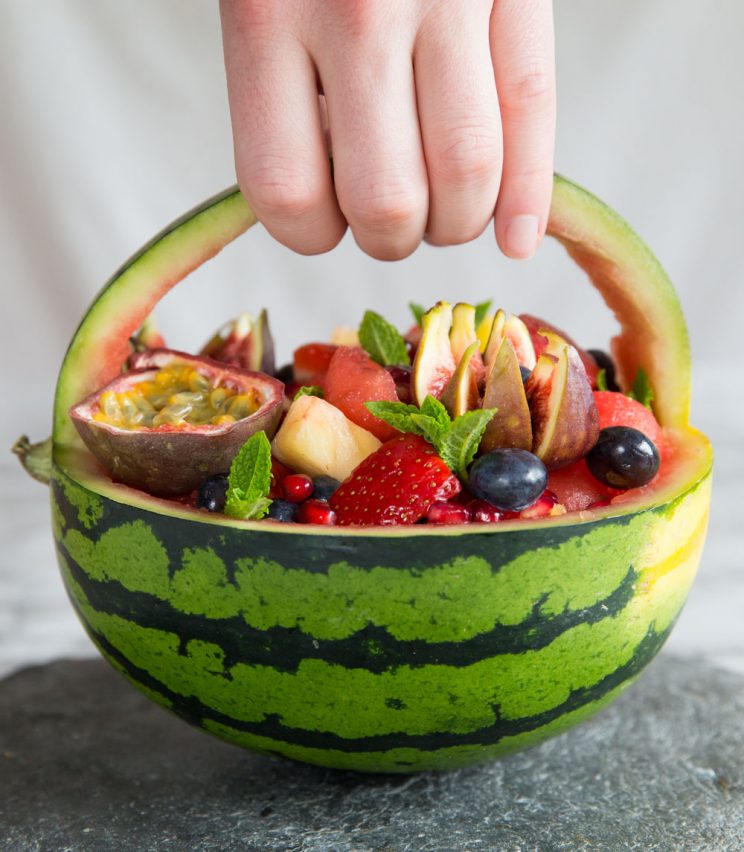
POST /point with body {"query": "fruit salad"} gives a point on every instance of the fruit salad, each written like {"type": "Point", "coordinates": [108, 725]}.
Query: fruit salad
{"type": "Point", "coordinates": [470, 416]}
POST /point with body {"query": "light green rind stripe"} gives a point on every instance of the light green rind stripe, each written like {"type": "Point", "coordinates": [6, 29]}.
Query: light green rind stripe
{"type": "Point", "coordinates": [357, 703]}
{"type": "Point", "coordinates": [410, 759]}
{"type": "Point", "coordinates": [426, 605]}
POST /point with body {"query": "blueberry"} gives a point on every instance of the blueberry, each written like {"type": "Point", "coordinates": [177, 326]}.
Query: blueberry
{"type": "Point", "coordinates": [525, 371]}
{"type": "Point", "coordinates": [604, 362]}
{"type": "Point", "coordinates": [285, 374]}
{"type": "Point", "coordinates": [623, 458]}
{"type": "Point", "coordinates": [211, 493]}
{"type": "Point", "coordinates": [508, 479]}
{"type": "Point", "coordinates": [324, 487]}
{"type": "Point", "coordinates": [284, 511]}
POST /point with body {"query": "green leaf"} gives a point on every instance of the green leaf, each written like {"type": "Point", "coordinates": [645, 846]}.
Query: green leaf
{"type": "Point", "coordinates": [481, 309]}
{"type": "Point", "coordinates": [642, 390]}
{"type": "Point", "coordinates": [309, 390]}
{"type": "Point", "coordinates": [429, 428]}
{"type": "Point", "coordinates": [249, 479]}
{"type": "Point", "coordinates": [418, 311]}
{"type": "Point", "coordinates": [602, 380]}
{"type": "Point", "coordinates": [382, 341]}
{"type": "Point", "coordinates": [461, 441]}
{"type": "Point", "coordinates": [432, 407]}
{"type": "Point", "coordinates": [395, 414]}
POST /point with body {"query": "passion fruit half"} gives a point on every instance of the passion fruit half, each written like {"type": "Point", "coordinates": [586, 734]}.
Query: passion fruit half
{"type": "Point", "coordinates": [175, 419]}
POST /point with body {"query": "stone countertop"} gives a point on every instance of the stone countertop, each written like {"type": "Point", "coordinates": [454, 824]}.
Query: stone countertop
{"type": "Point", "coordinates": [87, 763]}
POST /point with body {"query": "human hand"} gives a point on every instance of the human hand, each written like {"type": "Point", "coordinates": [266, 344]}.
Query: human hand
{"type": "Point", "coordinates": [439, 114]}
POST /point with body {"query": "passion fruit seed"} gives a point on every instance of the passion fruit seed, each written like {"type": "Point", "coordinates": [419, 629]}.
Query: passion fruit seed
{"type": "Point", "coordinates": [176, 395]}
{"type": "Point", "coordinates": [623, 457]}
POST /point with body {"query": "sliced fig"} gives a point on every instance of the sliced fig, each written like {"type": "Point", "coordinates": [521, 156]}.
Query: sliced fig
{"type": "Point", "coordinates": [175, 419]}
{"type": "Point", "coordinates": [495, 336]}
{"type": "Point", "coordinates": [244, 342]}
{"type": "Point", "coordinates": [537, 329]}
{"type": "Point", "coordinates": [461, 392]}
{"type": "Point", "coordinates": [517, 332]}
{"type": "Point", "coordinates": [565, 421]}
{"type": "Point", "coordinates": [511, 426]}
{"type": "Point", "coordinates": [462, 337]}
{"type": "Point", "coordinates": [434, 363]}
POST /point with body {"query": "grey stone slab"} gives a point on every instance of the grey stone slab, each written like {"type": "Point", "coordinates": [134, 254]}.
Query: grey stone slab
{"type": "Point", "coordinates": [86, 763]}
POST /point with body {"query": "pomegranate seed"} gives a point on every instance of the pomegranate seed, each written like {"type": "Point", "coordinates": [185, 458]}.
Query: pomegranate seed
{"type": "Point", "coordinates": [316, 512]}
{"type": "Point", "coordinates": [599, 504]}
{"type": "Point", "coordinates": [448, 513]}
{"type": "Point", "coordinates": [539, 509]}
{"type": "Point", "coordinates": [484, 513]}
{"type": "Point", "coordinates": [297, 487]}
{"type": "Point", "coordinates": [278, 474]}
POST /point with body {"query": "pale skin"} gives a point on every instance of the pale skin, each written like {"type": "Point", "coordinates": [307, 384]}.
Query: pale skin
{"type": "Point", "coordinates": [440, 116]}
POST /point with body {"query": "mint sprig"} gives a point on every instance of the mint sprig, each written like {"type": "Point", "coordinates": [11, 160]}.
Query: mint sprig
{"type": "Point", "coordinates": [382, 341]}
{"type": "Point", "coordinates": [308, 390]}
{"type": "Point", "coordinates": [249, 480]}
{"type": "Point", "coordinates": [456, 440]}
{"type": "Point", "coordinates": [418, 311]}
{"type": "Point", "coordinates": [642, 390]}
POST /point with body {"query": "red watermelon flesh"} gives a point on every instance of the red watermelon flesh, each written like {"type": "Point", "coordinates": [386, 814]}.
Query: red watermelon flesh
{"type": "Point", "coordinates": [353, 378]}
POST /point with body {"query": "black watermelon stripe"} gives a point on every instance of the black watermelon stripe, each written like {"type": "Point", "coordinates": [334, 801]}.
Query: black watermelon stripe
{"type": "Point", "coordinates": [372, 648]}
{"type": "Point", "coordinates": [194, 711]}
{"type": "Point", "coordinates": [318, 553]}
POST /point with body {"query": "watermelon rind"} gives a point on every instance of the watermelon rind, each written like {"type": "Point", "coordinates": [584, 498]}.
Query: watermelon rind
{"type": "Point", "coordinates": [383, 649]}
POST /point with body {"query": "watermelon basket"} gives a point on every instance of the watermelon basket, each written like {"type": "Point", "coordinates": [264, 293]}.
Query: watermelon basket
{"type": "Point", "coordinates": [383, 649]}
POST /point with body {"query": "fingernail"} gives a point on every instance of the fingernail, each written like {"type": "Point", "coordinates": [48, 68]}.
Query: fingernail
{"type": "Point", "coordinates": [520, 236]}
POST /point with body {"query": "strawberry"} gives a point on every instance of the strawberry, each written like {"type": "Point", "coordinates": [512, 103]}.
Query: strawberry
{"type": "Point", "coordinates": [395, 485]}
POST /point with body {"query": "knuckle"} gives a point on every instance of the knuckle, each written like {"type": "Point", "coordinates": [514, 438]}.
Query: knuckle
{"type": "Point", "coordinates": [386, 209]}
{"type": "Point", "coordinates": [530, 89]}
{"type": "Point", "coordinates": [282, 192]}
{"type": "Point", "coordinates": [467, 154]}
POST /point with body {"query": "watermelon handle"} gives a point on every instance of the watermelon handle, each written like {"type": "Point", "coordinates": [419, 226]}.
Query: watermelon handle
{"type": "Point", "coordinates": [620, 265]}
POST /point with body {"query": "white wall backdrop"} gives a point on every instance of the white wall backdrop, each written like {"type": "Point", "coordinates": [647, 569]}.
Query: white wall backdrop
{"type": "Point", "coordinates": [114, 120]}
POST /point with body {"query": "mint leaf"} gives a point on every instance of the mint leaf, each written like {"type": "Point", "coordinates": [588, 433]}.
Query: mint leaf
{"type": "Point", "coordinates": [481, 310]}
{"type": "Point", "coordinates": [309, 390]}
{"type": "Point", "coordinates": [249, 479]}
{"type": "Point", "coordinates": [382, 341]}
{"type": "Point", "coordinates": [602, 380]}
{"type": "Point", "coordinates": [432, 407]}
{"type": "Point", "coordinates": [429, 428]}
{"type": "Point", "coordinates": [395, 414]}
{"type": "Point", "coordinates": [461, 442]}
{"type": "Point", "coordinates": [418, 311]}
{"type": "Point", "coordinates": [642, 390]}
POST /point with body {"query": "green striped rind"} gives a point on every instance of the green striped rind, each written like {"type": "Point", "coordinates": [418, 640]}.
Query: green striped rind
{"type": "Point", "coordinates": [632, 282]}
{"type": "Point", "coordinates": [432, 653]}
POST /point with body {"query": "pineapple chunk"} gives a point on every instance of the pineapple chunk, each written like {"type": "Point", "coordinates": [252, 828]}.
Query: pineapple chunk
{"type": "Point", "coordinates": [316, 438]}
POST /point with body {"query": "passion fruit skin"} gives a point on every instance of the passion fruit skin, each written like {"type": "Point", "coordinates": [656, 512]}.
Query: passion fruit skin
{"type": "Point", "coordinates": [383, 650]}
{"type": "Point", "coordinates": [170, 461]}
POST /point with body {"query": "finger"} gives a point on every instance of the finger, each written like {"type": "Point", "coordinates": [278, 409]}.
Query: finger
{"type": "Point", "coordinates": [280, 153]}
{"type": "Point", "coordinates": [524, 67]}
{"type": "Point", "coordinates": [379, 169]}
{"type": "Point", "coordinates": [460, 123]}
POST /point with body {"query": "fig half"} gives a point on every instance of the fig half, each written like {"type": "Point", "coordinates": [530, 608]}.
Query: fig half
{"type": "Point", "coordinates": [175, 419]}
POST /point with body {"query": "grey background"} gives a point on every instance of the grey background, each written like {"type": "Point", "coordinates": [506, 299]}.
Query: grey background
{"type": "Point", "coordinates": [114, 121]}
